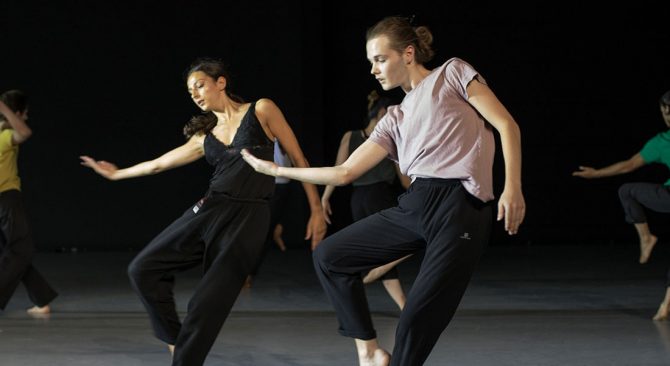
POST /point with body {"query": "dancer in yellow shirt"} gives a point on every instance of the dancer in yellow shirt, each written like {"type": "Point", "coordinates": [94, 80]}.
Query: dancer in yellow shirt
{"type": "Point", "coordinates": [16, 245]}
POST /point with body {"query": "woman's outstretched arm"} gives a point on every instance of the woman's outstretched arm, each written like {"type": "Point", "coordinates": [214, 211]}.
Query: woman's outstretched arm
{"type": "Point", "coordinates": [189, 152]}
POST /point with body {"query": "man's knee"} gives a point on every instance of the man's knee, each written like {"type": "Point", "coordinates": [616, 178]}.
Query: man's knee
{"type": "Point", "coordinates": [625, 191]}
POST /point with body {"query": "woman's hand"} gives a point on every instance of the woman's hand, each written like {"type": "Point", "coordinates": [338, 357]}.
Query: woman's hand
{"type": "Point", "coordinates": [316, 228]}
{"type": "Point", "coordinates": [104, 168]}
{"type": "Point", "coordinates": [261, 166]}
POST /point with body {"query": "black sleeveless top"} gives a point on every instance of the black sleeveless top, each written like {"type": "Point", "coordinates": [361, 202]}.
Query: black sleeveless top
{"type": "Point", "coordinates": [382, 172]}
{"type": "Point", "coordinates": [232, 175]}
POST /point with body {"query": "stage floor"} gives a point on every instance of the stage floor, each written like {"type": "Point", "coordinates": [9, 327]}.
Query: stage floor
{"type": "Point", "coordinates": [541, 305]}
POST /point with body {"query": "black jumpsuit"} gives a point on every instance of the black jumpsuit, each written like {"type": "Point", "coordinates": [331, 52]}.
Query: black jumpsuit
{"type": "Point", "coordinates": [224, 232]}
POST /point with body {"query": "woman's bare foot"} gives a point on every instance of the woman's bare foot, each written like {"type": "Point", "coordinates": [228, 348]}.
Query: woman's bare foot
{"type": "Point", "coordinates": [646, 246]}
{"type": "Point", "coordinates": [662, 313]}
{"type": "Point", "coordinates": [39, 310]}
{"type": "Point", "coordinates": [378, 358]}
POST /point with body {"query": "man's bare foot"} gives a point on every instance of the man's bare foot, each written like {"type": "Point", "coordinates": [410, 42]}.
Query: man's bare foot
{"type": "Point", "coordinates": [646, 246]}
{"type": "Point", "coordinates": [662, 313]}
{"type": "Point", "coordinates": [378, 358]}
{"type": "Point", "coordinates": [39, 310]}
{"type": "Point", "coordinates": [370, 354]}
{"type": "Point", "coordinates": [171, 349]}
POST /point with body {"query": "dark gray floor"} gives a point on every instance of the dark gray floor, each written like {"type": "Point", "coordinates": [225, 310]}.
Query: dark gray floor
{"type": "Point", "coordinates": [525, 306]}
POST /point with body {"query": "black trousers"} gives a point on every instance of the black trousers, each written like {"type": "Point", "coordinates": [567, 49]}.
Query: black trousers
{"type": "Point", "coordinates": [278, 204]}
{"type": "Point", "coordinates": [368, 200]}
{"type": "Point", "coordinates": [17, 250]}
{"type": "Point", "coordinates": [225, 236]}
{"type": "Point", "coordinates": [372, 198]}
{"type": "Point", "coordinates": [636, 196]}
{"type": "Point", "coordinates": [436, 215]}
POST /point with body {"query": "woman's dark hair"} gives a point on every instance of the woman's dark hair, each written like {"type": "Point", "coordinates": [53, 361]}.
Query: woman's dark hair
{"type": "Point", "coordinates": [15, 100]}
{"type": "Point", "coordinates": [213, 68]}
{"type": "Point", "coordinates": [665, 99]}
{"type": "Point", "coordinates": [200, 124]}
{"type": "Point", "coordinates": [375, 103]}
{"type": "Point", "coordinates": [401, 34]}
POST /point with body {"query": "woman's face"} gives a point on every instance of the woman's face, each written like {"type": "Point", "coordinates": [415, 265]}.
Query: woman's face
{"type": "Point", "coordinates": [204, 90]}
{"type": "Point", "coordinates": [388, 65]}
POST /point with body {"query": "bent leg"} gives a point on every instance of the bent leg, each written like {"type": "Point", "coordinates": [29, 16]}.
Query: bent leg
{"type": "Point", "coordinates": [341, 260]}
{"type": "Point", "coordinates": [457, 231]}
{"type": "Point", "coordinates": [152, 271]}
{"type": "Point", "coordinates": [634, 198]}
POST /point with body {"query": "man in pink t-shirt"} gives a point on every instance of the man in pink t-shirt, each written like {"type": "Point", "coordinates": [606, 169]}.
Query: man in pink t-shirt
{"type": "Point", "coordinates": [441, 136]}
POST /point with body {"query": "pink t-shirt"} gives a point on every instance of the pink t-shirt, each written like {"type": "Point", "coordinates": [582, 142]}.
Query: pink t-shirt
{"type": "Point", "coordinates": [436, 133]}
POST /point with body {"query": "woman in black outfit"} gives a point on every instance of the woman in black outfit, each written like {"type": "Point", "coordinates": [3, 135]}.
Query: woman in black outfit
{"type": "Point", "coordinates": [225, 230]}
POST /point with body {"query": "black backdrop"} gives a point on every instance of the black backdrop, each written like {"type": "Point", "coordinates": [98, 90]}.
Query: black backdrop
{"type": "Point", "coordinates": [105, 79]}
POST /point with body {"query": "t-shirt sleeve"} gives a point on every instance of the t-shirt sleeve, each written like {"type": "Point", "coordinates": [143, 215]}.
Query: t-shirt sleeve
{"type": "Point", "coordinates": [651, 152]}
{"type": "Point", "coordinates": [459, 74]}
{"type": "Point", "coordinates": [385, 132]}
{"type": "Point", "coordinates": [6, 140]}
